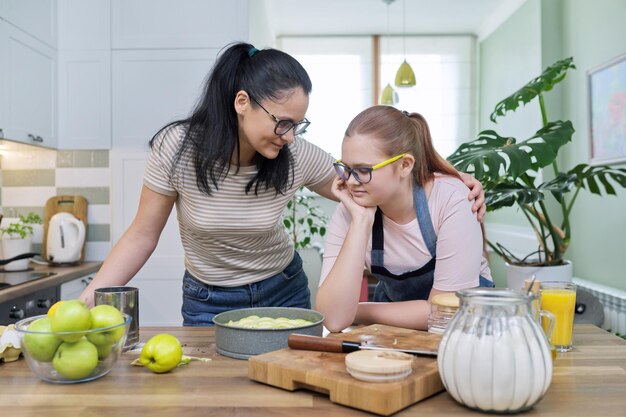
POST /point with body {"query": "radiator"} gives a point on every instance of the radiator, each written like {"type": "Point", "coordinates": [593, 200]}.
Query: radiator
{"type": "Point", "coordinates": [613, 301]}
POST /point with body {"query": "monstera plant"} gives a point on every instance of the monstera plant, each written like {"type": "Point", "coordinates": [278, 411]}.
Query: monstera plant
{"type": "Point", "coordinates": [512, 170]}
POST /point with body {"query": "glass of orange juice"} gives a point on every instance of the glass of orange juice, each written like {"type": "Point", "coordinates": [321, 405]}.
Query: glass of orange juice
{"type": "Point", "coordinates": [559, 298]}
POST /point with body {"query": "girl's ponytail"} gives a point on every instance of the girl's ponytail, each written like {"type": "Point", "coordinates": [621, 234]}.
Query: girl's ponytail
{"type": "Point", "coordinates": [428, 160]}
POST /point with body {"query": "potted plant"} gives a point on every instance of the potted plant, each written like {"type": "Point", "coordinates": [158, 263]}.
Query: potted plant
{"type": "Point", "coordinates": [511, 173]}
{"type": "Point", "coordinates": [303, 220]}
{"type": "Point", "coordinates": [35, 221]}
{"type": "Point", "coordinates": [16, 240]}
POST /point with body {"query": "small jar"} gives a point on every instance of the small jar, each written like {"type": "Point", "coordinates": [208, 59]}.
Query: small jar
{"type": "Point", "coordinates": [442, 308]}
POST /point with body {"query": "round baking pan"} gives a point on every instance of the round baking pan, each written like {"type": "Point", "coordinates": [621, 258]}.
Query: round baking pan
{"type": "Point", "coordinates": [242, 343]}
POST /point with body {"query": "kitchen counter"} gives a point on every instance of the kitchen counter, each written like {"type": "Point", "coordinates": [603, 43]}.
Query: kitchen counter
{"type": "Point", "coordinates": [61, 274]}
{"type": "Point", "coordinates": [589, 381]}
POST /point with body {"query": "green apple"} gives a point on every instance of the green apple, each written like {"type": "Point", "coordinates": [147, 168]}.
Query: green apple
{"type": "Point", "coordinates": [161, 353]}
{"type": "Point", "coordinates": [41, 346]}
{"type": "Point", "coordinates": [106, 316]}
{"type": "Point", "coordinates": [71, 316]}
{"type": "Point", "coordinates": [104, 351]}
{"type": "Point", "coordinates": [76, 360]}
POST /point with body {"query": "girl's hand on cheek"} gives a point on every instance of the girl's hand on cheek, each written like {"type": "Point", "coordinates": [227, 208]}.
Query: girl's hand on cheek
{"type": "Point", "coordinates": [340, 190]}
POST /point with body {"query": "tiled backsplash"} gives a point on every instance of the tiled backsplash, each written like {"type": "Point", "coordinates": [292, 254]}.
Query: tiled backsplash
{"type": "Point", "coordinates": [31, 175]}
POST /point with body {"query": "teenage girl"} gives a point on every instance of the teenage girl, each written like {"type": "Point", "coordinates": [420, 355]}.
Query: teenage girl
{"type": "Point", "coordinates": [404, 216]}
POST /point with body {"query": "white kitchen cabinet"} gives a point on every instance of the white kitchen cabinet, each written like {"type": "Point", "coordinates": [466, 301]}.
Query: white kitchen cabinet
{"type": "Point", "coordinates": [35, 17]}
{"type": "Point", "coordinates": [152, 88]}
{"type": "Point", "coordinates": [84, 99]}
{"type": "Point", "coordinates": [84, 78]}
{"type": "Point", "coordinates": [71, 290]}
{"type": "Point", "coordinates": [28, 86]}
{"type": "Point", "coordinates": [4, 105]}
{"type": "Point", "coordinates": [159, 24]}
{"type": "Point", "coordinates": [84, 24]}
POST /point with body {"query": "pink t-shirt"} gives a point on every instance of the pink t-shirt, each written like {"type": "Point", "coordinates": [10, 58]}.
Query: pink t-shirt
{"type": "Point", "coordinates": [460, 257]}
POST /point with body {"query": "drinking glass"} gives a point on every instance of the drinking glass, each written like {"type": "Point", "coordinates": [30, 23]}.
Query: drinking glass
{"type": "Point", "coordinates": [559, 298]}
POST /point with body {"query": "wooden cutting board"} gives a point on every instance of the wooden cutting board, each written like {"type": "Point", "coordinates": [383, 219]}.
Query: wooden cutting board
{"type": "Point", "coordinates": [74, 204]}
{"type": "Point", "coordinates": [326, 373]}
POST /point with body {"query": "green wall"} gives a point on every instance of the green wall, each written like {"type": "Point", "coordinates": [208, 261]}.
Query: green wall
{"type": "Point", "coordinates": [536, 35]}
{"type": "Point", "coordinates": [509, 58]}
{"type": "Point", "coordinates": [594, 32]}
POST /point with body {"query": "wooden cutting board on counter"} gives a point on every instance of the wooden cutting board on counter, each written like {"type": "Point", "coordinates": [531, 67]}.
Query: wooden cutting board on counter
{"type": "Point", "coordinates": [325, 372]}
{"type": "Point", "coordinates": [74, 204]}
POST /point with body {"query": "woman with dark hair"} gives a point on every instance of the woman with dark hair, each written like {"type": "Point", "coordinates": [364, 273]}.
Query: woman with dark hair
{"type": "Point", "coordinates": [230, 169]}
{"type": "Point", "coordinates": [406, 219]}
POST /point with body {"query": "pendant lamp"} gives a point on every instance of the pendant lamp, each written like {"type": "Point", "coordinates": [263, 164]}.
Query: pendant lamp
{"type": "Point", "coordinates": [405, 77]}
{"type": "Point", "coordinates": [388, 96]}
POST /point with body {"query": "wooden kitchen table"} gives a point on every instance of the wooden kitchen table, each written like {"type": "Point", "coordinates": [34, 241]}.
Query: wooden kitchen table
{"type": "Point", "coordinates": [589, 381]}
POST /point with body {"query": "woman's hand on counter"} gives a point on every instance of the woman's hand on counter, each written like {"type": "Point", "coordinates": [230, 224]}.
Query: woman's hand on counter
{"type": "Point", "coordinates": [87, 297]}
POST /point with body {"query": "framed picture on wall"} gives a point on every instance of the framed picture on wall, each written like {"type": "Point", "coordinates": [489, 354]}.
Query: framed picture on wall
{"type": "Point", "coordinates": [607, 112]}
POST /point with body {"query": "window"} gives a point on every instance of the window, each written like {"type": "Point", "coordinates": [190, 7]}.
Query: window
{"type": "Point", "coordinates": [342, 72]}
{"type": "Point", "coordinates": [444, 94]}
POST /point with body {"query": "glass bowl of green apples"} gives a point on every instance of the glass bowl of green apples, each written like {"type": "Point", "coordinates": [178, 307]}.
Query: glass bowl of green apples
{"type": "Point", "coordinates": [73, 343]}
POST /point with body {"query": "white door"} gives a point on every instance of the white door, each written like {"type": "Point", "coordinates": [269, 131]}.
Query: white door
{"type": "Point", "coordinates": [151, 88]}
{"type": "Point", "coordinates": [160, 280]}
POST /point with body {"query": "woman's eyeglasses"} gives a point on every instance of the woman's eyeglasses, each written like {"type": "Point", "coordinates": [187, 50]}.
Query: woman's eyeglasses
{"type": "Point", "coordinates": [283, 125]}
{"type": "Point", "coordinates": [362, 174]}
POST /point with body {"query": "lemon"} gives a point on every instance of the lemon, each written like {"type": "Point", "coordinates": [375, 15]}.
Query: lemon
{"type": "Point", "coordinates": [53, 308]}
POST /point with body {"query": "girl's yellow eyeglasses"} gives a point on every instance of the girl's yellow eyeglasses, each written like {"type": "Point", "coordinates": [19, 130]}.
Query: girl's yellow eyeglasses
{"type": "Point", "coordinates": [362, 174]}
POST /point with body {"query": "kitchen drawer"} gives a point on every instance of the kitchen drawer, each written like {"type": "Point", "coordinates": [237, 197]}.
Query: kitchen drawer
{"type": "Point", "coordinates": [72, 289]}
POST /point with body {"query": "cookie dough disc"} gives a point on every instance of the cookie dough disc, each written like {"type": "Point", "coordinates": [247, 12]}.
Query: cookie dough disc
{"type": "Point", "coordinates": [379, 366]}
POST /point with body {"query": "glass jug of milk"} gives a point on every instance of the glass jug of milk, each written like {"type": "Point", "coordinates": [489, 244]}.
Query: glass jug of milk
{"type": "Point", "coordinates": [494, 355]}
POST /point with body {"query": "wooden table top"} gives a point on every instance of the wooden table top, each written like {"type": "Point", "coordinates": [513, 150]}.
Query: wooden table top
{"type": "Point", "coordinates": [589, 381]}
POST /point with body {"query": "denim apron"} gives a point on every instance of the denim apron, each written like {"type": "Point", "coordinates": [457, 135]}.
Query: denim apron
{"type": "Point", "coordinates": [412, 285]}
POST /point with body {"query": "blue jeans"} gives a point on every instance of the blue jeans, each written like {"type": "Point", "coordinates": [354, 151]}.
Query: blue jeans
{"type": "Point", "coordinates": [484, 282]}
{"type": "Point", "coordinates": [286, 289]}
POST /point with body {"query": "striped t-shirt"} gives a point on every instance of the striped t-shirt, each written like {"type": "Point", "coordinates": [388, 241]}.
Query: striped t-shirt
{"type": "Point", "coordinates": [232, 238]}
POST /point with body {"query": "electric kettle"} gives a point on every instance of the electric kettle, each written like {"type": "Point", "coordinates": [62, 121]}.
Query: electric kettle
{"type": "Point", "coordinates": [66, 235]}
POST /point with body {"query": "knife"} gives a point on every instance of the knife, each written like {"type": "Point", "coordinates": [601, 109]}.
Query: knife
{"type": "Point", "coordinates": [329, 344]}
